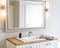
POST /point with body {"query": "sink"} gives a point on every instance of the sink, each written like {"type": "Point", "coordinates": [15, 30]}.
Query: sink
{"type": "Point", "coordinates": [30, 38]}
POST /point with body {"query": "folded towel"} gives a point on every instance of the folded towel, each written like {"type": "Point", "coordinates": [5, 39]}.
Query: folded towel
{"type": "Point", "coordinates": [47, 37]}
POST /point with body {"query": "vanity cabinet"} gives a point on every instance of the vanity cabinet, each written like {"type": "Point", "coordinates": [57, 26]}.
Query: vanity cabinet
{"type": "Point", "coordinates": [47, 44]}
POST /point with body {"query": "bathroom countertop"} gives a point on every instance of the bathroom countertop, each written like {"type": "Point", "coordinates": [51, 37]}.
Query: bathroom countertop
{"type": "Point", "coordinates": [20, 42]}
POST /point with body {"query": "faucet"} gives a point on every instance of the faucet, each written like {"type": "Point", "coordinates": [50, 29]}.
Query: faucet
{"type": "Point", "coordinates": [29, 34]}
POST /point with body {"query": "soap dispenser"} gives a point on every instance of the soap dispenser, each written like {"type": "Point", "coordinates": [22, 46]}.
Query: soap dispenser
{"type": "Point", "coordinates": [20, 35]}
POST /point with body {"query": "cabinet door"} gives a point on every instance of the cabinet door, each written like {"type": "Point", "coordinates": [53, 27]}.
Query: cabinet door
{"type": "Point", "coordinates": [49, 44]}
{"type": "Point", "coordinates": [9, 44]}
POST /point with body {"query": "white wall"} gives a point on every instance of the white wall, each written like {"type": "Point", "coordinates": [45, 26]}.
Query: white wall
{"type": "Point", "coordinates": [52, 24]}
{"type": "Point", "coordinates": [53, 21]}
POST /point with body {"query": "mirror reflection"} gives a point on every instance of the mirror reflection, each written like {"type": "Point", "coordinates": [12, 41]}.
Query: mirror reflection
{"type": "Point", "coordinates": [25, 14]}
{"type": "Point", "coordinates": [13, 14]}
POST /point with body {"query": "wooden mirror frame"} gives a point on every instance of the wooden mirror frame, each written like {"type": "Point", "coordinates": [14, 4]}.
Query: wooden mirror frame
{"type": "Point", "coordinates": [21, 29]}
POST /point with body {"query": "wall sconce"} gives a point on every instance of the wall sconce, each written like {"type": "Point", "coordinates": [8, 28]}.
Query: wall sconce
{"type": "Point", "coordinates": [2, 14]}
{"type": "Point", "coordinates": [47, 5]}
{"type": "Point", "coordinates": [3, 8]}
{"type": "Point", "coordinates": [2, 11]}
{"type": "Point", "coordinates": [47, 9]}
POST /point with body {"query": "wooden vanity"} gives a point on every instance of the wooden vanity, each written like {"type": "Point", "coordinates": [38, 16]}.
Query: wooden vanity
{"type": "Point", "coordinates": [15, 43]}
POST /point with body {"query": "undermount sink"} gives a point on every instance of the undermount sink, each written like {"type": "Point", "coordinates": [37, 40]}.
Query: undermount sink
{"type": "Point", "coordinates": [30, 38]}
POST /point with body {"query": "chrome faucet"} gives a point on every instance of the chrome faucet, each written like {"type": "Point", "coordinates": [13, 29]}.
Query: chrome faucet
{"type": "Point", "coordinates": [29, 34]}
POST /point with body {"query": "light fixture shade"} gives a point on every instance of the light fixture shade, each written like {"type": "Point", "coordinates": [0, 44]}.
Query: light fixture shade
{"type": "Point", "coordinates": [3, 13]}
{"type": "Point", "coordinates": [47, 4]}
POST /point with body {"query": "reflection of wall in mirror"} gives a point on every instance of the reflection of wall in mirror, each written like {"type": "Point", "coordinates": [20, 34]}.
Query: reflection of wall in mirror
{"type": "Point", "coordinates": [21, 15]}
{"type": "Point", "coordinates": [10, 15]}
{"type": "Point", "coordinates": [13, 19]}
{"type": "Point", "coordinates": [34, 15]}
{"type": "Point", "coordinates": [16, 14]}
{"type": "Point", "coordinates": [31, 14]}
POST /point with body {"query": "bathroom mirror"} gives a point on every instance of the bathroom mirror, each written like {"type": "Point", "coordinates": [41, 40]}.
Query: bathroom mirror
{"type": "Point", "coordinates": [25, 14]}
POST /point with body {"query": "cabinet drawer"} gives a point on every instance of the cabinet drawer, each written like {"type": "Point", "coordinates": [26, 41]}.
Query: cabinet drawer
{"type": "Point", "coordinates": [49, 44]}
